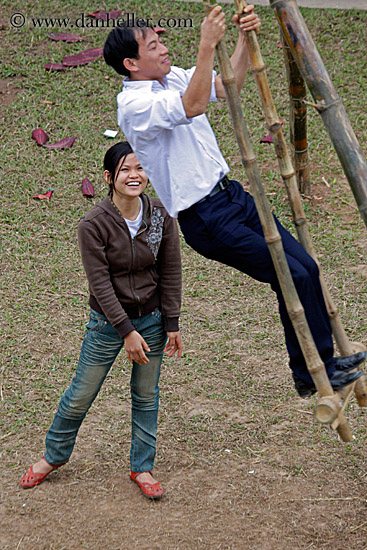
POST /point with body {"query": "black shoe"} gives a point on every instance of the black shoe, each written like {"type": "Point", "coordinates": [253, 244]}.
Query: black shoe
{"type": "Point", "coordinates": [346, 363]}
{"type": "Point", "coordinates": [304, 390]}
{"type": "Point", "coordinates": [338, 380]}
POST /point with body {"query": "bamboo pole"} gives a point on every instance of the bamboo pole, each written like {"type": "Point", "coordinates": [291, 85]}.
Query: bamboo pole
{"type": "Point", "coordinates": [298, 121]}
{"type": "Point", "coordinates": [327, 101]}
{"type": "Point", "coordinates": [290, 182]}
{"type": "Point", "coordinates": [294, 307]}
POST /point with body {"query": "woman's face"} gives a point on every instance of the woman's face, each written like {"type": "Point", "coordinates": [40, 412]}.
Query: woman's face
{"type": "Point", "coordinates": [130, 178]}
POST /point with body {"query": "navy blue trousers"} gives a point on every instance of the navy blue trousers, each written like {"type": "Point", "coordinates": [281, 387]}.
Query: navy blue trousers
{"type": "Point", "coordinates": [227, 228]}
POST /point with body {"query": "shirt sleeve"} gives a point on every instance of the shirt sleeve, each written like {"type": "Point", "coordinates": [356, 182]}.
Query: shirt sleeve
{"type": "Point", "coordinates": [150, 113]}
{"type": "Point", "coordinates": [213, 95]}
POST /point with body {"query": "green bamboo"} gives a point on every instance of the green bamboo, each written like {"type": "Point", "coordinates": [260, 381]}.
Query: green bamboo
{"type": "Point", "coordinates": [294, 307]}
{"type": "Point", "coordinates": [327, 101]}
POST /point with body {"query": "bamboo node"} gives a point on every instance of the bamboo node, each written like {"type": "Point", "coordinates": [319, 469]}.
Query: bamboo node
{"type": "Point", "coordinates": [271, 240]}
{"type": "Point", "coordinates": [256, 70]}
{"type": "Point", "coordinates": [248, 162]}
{"type": "Point", "coordinates": [229, 81]}
{"type": "Point", "coordinates": [275, 127]}
{"type": "Point", "coordinates": [296, 313]}
{"type": "Point", "coordinates": [289, 176]}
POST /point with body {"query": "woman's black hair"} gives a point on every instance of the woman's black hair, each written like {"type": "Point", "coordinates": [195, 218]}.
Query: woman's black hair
{"type": "Point", "coordinates": [121, 43]}
{"type": "Point", "coordinates": [112, 158]}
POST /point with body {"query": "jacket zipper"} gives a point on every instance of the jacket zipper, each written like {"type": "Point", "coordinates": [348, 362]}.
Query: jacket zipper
{"type": "Point", "coordinates": [131, 279]}
{"type": "Point", "coordinates": [137, 297]}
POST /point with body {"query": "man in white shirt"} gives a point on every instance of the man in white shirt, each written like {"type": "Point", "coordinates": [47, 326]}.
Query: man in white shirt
{"type": "Point", "coordinates": [161, 112]}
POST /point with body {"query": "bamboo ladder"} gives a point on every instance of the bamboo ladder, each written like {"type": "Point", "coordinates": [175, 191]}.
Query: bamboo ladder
{"type": "Point", "coordinates": [290, 181]}
{"type": "Point", "coordinates": [330, 407]}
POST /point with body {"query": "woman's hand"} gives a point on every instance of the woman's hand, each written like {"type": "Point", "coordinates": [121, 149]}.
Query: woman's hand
{"type": "Point", "coordinates": [174, 344]}
{"type": "Point", "coordinates": [135, 346]}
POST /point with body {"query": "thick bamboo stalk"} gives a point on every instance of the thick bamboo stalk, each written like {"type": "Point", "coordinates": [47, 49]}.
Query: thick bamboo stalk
{"type": "Point", "coordinates": [290, 182]}
{"type": "Point", "coordinates": [328, 103]}
{"type": "Point", "coordinates": [298, 121]}
{"type": "Point", "coordinates": [294, 307]}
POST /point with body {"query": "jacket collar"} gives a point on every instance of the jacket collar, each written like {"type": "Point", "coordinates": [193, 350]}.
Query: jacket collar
{"type": "Point", "coordinates": [108, 206]}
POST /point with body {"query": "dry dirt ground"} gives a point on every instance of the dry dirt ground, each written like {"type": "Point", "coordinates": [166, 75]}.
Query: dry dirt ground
{"type": "Point", "coordinates": [243, 464]}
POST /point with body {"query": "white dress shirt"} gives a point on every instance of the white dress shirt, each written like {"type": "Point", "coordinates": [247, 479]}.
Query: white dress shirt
{"type": "Point", "coordinates": [180, 155]}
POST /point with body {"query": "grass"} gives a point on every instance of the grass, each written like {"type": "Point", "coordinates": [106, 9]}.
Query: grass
{"type": "Point", "coordinates": [232, 389]}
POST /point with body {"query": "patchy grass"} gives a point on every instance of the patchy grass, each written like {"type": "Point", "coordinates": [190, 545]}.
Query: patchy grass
{"type": "Point", "coordinates": [239, 454]}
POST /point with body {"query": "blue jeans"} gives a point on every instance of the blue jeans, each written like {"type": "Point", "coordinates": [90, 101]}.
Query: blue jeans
{"type": "Point", "coordinates": [100, 348]}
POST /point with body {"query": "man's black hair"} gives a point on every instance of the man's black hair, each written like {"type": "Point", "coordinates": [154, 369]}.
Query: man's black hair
{"type": "Point", "coordinates": [121, 43]}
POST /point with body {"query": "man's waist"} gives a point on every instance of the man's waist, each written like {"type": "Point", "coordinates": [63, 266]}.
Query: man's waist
{"type": "Point", "coordinates": [220, 186]}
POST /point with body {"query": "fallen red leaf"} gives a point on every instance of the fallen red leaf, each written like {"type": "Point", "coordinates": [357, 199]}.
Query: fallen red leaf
{"type": "Point", "coordinates": [46, 195]}
{"type": "Point", "coordinates": [159, 30]}
{"type": "Point", "coordinates": [55, 67]}
{"type": "Point", "coordinates": [82, 58]}
{"type": "Point", "coordinates": [102, 14]}
{"type": "Point", "coordinates": [65, 143]}
{"type": "Point", "coordinates": [87, 188]}
{"type": "Point", "coordinates": [40, 136]}
{"type": "Point", "coordinates": [65, 37]}
{"type": "Point", "coordinates": [266, 139]}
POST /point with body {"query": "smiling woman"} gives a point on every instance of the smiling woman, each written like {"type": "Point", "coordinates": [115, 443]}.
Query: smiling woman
{"type": "Point", "coordinates": [131, 254]}
{"type": "Point", "coordinates": [127, 180]}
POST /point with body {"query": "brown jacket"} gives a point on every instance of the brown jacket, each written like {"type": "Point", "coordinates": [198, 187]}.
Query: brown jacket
{"type": "Point", "coordinates": [128, 277]}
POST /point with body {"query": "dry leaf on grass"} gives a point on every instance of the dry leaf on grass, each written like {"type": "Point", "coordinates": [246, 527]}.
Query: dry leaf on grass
{"type": "Point", "coordinates": [82, 58]}
{"type": "Point", "coordinates": [268, 138]}
{"type": "Point", "coordinates": [46, 195]}
{"type": "Point", "coordinates": [65, 37]}
{"type": "Point", "coordinates": [87, 188]}
{"type": "Point", "coordinates": [104, 14]}
{"type": "Point", "coordinates": [55, 67]}
{"type": "Point", "coordinates": [65, 143]}
{"type": "Point", "coordinates": [40, 136]}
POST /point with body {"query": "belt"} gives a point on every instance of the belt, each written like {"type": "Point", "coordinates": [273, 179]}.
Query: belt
{"type": "Point", "coordinates": [220, 186]}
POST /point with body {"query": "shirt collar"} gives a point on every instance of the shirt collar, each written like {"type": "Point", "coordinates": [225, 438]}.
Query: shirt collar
{"type": "Point", "coordinates": [145, 84]}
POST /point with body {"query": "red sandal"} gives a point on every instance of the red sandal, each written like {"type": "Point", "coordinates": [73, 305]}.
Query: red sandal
{"type": "Point", "coordinates": [149, 490]}
{"type": "Point", "coordinates": [31, 478]}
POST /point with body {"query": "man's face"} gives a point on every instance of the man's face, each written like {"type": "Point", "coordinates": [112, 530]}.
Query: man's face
{"type": "Point", "coordinates": [153, 62]}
